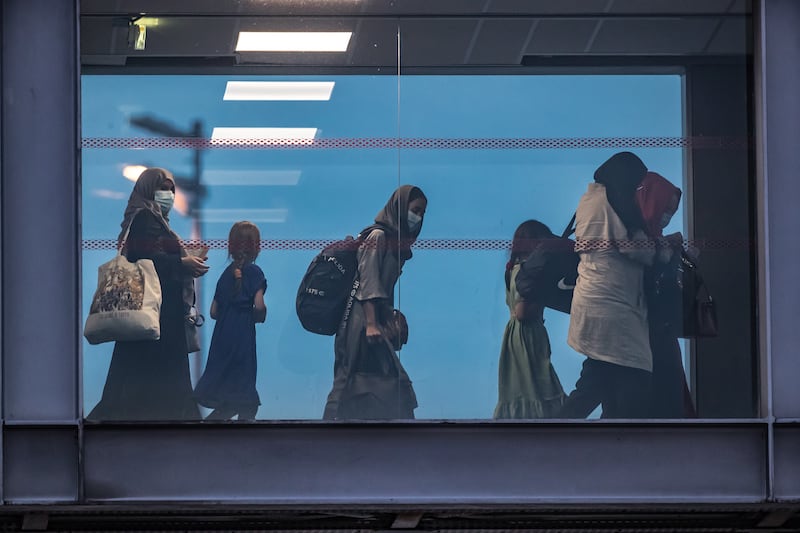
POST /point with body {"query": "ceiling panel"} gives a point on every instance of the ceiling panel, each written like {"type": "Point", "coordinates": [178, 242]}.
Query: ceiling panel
{"type": "Point", "coordinates": [669, 6]}
{"type": "Point", "coordinates": [292, 23]}
{"type": "Point", "coordinates": [374, 43]}
{"type": "Point", "coordinates": [435, 42]}
{"type": "Point", "coordinates": [233, 7]}
{"type": "Point", "coordinates": [548, 7]}
{"type": "Point", "coordinates": [408, 7]}
{"type": "Point", "coordinates": [730, 38]}
{"type": "Point", "coordinates": [285, 7]}
{"type": "Point", "coordinates": [500, 42]}
{"type": "Point", "coordinates": [161, 6]}
{"type": "Point", "coordinates": [560, 37]}
{"type": "Point", "coordinates": [653, 36]}
{"type": "Point", "coordinates": [427, 7]}
{"type": "Point", "coordinates": [292, 59]}
{"type": "Point", "coordinates": [741, 6]}
{"type": "Point", "coordinates": [102, 36]}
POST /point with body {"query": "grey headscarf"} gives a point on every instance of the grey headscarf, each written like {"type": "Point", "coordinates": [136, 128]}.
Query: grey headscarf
{"type": "Point", "coordinates": [142, 199]}
{"type": "Point", "coordinates": [394, 218]}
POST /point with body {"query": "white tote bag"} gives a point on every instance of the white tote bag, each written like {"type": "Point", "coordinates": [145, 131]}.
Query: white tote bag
{"type": "Point", "coordinates": [127, 303]}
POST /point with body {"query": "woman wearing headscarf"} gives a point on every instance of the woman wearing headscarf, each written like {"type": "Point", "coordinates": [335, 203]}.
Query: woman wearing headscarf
{"type": "Point", "coordinates": [608, 318]}
{"type": "Point", "coordinates": [149, 380]}
{"type": "Point", "coordinates": [369, 380]}
{"type": "Point", "coordinates": [658, 201]}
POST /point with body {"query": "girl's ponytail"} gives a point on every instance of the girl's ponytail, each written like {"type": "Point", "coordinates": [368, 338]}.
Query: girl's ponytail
{"type": "Point", "coordinates": [244, 242]}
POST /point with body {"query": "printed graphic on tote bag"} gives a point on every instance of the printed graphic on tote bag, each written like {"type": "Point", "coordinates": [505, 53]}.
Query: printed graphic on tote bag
{"type": "Point", "coordinates": [127, 303]}
{"type": "Point", "coordinates": [122, 290]}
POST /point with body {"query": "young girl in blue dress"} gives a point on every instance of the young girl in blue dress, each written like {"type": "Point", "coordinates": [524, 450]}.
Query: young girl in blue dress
{"type": "Point", "coordinates": [228, 384]}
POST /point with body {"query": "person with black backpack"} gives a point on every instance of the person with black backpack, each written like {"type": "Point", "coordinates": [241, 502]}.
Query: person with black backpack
{"type": "Point", "coordinates": [369, 380]}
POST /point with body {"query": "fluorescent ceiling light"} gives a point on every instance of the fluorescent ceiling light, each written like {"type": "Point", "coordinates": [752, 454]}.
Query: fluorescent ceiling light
{"type": "Point", "coordinates": [109, 194]}
{"type": "Point", "coordinates": [293, 41]}
{"type": "Point", "coordinates": [278, 90]}
{"type": "Point", "coordinates": [263, 134]}
{"type": "Point", "coordinates": [251, 177]}
{"type": "Point", "coordinates": [132, 172]}
{"type": "Point", "coordinates": [253, 215]}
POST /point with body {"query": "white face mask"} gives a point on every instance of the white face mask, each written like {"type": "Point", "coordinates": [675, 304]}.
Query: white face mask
{"type": "Point", "coordinates": [164, 199]}
{"type": "Point", "coordinates": [414, 220]}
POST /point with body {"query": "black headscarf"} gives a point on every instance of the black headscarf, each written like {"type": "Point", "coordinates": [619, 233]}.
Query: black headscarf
{"type": "Point", "coordinates": [621, 175]}
{"type": "Point", "coordinates": [393, 218]}
{"type": "Point", "coordinates": [142, 198]}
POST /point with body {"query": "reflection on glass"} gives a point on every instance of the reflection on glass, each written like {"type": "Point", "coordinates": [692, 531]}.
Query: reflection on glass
{"type": "Point", "coordinates": [299, 199]}
{"type": "Point", "coordinates": [608, 316]}
{"type": "Point", "coordinates": [488, 190]}
{"type": "Point", "coordinates": [369, 379]}
{"type": "Point", "coordinates": [228, 383]}
{"type": "Point", "coordinates": [657, 200]}
{"type": "Point", "coordinates": [149, 379]}
{"type": "Point", "coordinates": [528, 386]}
{"type": "Point", "coordinates": [304, 196]}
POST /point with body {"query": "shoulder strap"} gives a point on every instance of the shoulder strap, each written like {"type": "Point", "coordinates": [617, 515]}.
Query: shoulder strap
{"type": "Point", "coordinates": [389, 233]}
{"type": "Point", "coordinates": [570, 229]}
{"type": "Point", "coordinates": [366, 231]}
{"type": "Point", "coordinates": [124, 242]}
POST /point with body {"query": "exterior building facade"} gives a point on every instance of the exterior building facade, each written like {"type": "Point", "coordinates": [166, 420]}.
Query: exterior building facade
{"type": "Point", "coordinates": [736, 466]}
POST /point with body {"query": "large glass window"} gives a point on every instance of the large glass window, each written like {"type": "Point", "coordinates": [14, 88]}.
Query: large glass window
{"type": "Point", "coordinates": [497, 152]}
{"type": "Point", "coordinates": [310, 148]}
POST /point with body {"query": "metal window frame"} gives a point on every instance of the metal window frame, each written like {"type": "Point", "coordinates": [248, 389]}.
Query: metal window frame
{"type": "Point", "coordinates": [51, 457]}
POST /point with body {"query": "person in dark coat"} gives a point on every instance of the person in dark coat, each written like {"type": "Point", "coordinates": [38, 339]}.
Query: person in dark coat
{"type": "Point", "coordinates": [658, 200]}
{"type": "Point", "coordinates": [150, 380]}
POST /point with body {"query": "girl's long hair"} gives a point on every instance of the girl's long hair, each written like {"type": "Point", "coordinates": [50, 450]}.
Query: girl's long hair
{"type": "Point", "coordinates": [526, 237]}
{"type": "Point", "coordinates": [244, 243]}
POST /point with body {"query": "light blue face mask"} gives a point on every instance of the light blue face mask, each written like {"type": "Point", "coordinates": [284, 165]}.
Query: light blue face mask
{"type": "Point", "coordinates": [164, 199]}
{"type": "Point", "coordinates": [414, 220]}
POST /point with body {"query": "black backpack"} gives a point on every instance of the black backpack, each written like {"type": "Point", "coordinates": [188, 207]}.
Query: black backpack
{"type": "Point", "coordinates": [549, 273]}
{"type": "Point", "coordinates": [326, 292]}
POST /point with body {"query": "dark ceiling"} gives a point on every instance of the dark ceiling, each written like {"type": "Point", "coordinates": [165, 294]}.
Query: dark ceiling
{"type": "Point", "coordinates": [432, 33]}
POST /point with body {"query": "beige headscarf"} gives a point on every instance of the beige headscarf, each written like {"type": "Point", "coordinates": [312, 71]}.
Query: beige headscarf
{"type": "Point", "coordinates": [394, 217]}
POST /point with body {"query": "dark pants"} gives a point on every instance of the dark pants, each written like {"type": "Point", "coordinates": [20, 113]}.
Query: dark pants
{"type": "Point", "coordinates": [671, 396]}
{"type": "Point", "coordinates": [624, 392]}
